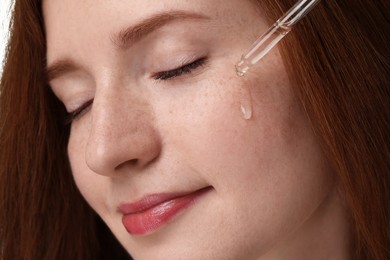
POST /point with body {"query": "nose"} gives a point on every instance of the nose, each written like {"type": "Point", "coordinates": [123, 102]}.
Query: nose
{"type": "Point", "coordinates": [122, 136]}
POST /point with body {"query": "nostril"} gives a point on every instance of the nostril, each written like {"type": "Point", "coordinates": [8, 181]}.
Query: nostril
{"type": "Point", "coordinates": [133, 161]}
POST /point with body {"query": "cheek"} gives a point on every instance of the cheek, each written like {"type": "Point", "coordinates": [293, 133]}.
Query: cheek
{"type": "Point", "coordinates": [90, 185]}
{"type": "Point", "coordinates": [76, 150]}
{"type": "Point", "coordinates": [268, 169]}
{"type": "Point", "coordinates": [216, 128]}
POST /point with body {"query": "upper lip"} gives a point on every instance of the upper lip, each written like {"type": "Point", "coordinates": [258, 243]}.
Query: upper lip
{"type": "Point", "coordinates": [151, 201]}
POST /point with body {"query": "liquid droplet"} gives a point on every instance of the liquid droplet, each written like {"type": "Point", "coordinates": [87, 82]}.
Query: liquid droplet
{"type": "Point", "coordinates": [246, 95]}
{"type": "Point", "coordinates": [246, 109]}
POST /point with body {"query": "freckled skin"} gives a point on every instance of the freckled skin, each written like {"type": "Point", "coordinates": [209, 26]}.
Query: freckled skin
{"type": "Point", "coordinates": [273, 193]}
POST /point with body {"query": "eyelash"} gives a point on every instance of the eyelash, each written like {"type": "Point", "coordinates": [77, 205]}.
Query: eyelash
{"type": "Point", "coordinates": [164, 75]}
{"type": "Point", "coordinates": [186, 69]}
{"type": "Point", "coordinates": [74, 115]}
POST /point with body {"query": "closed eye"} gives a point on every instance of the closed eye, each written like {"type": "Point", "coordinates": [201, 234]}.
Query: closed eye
{"type": "Point", "coordinates": [74, 115]}
{"type": "Point", "coordinates": [186, 69]}
{"type": "Point", "coordinates": [164, 75]}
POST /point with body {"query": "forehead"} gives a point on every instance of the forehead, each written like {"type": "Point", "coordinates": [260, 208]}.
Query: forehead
{"type": "Point", "coordinates": [75, 27]}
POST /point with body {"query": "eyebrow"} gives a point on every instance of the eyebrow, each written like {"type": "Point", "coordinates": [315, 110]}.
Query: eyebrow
{"type": "Point", "coordinates": [125, 38]}
{"type": "Point", "coordinates": [133, 34]}
{"type": "Point", "coordinates": [60, 68]}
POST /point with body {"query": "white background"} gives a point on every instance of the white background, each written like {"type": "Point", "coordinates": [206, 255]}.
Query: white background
{"type": "Point", "coordinates": [4, 22]}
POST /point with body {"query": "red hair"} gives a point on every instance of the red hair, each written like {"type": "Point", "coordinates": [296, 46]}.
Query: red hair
{"type": "Point", "coordinates": [338, 59]}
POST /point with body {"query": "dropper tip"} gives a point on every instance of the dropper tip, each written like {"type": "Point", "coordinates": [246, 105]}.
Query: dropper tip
{"type": "Point", "coordinates": [240, 73]}
{"type": "Point", "coordinates": [242, 68]}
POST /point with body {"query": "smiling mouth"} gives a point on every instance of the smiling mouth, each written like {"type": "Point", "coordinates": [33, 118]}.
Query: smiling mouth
{"type": "Point", "coordinates": [154, 211]}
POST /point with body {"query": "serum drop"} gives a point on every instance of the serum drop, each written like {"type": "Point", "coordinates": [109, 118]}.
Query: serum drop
{"type": "Point", "coordinates": [246, 109]}
{"type": "Point", "coordinates": [246, 98]}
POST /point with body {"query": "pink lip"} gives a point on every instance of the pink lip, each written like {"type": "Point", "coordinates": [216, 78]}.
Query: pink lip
{"type": "Point", "coordinates": [153, 211]}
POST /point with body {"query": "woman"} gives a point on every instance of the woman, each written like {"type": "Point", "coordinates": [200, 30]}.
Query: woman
{"type": "Point", "coordinates": [126, 119]}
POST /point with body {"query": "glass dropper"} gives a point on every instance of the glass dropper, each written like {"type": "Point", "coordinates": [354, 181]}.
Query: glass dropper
{"type": "Point", "coordinates": [274, 34]}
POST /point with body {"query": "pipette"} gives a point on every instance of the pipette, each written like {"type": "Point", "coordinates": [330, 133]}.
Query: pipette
{"type": "Point", "coordinates": [274, 34]}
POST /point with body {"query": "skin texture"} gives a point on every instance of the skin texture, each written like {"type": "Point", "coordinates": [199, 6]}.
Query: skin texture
{"type": "Point", "coordinates": [273, 195]}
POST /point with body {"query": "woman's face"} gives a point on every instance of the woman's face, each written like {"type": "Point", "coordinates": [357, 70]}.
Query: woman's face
{"type": "Point", "coordinates": [164, 153]}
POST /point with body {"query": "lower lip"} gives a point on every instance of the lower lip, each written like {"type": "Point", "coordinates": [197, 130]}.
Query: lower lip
{"type": "Point", "coordinates": [152, 219]}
